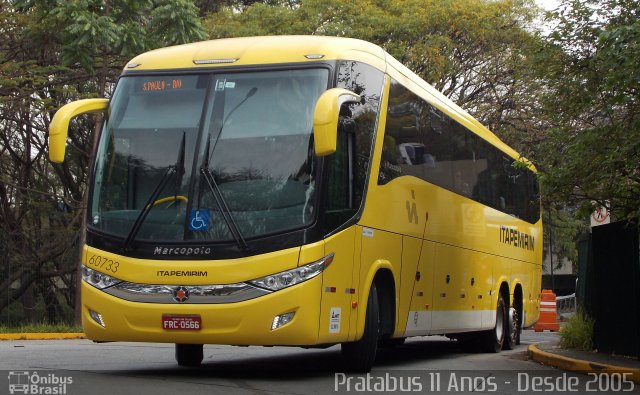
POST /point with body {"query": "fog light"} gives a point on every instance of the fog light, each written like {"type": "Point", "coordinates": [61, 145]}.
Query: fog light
{"type": "Point", "coordinates": [97, 317]}
{"type": "Point", "coordinates": [281, 320]}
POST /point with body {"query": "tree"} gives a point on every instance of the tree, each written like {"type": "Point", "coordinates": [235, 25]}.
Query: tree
{"type": "Point", "coordinates": [562, 230]}
{"type": "Point", "coordinates": [51, 53]}
{"type": "Point", "coordinates": [591, 154]}
{"type": "Point", "coordinates": [209, 6]}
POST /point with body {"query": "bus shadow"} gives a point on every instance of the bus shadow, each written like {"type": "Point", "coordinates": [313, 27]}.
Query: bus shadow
{"type": "Point", "coordinates": [416, 350]}
{"type": "Point", "coordinates": [311, 363]}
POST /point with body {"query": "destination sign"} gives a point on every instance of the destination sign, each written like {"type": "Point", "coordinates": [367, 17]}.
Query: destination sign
{"type": "Point", "coordinates": [165, 84]}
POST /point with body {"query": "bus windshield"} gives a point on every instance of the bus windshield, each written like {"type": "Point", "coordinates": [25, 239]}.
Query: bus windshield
{"type": "Point", "coordinates": [169, 138]}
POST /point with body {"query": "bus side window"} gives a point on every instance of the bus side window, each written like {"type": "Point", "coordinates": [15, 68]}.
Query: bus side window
{"type": "Point", "coordinates": [348, 168]}
{"type": "Point", "coordinates": [424, 142]}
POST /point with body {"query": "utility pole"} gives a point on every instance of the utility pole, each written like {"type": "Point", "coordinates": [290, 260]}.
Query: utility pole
{"type": "Point", "coordinates": [550, 227]}
{"type": "Point", "coordinates": [553, 285]}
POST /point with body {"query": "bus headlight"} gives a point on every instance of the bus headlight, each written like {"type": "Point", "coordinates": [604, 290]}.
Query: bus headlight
{"type": "Point", "coordinates": [278, 281]}
{"type": "Point", "coordinates": [98, 279]}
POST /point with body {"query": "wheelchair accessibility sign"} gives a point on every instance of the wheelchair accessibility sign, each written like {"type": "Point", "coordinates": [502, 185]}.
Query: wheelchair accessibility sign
{"type": "Point", "coordinates": [199, 220]}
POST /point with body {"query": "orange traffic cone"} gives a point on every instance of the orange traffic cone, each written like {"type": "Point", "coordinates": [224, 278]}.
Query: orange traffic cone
{"type": "Point", "coordinates": [548, 312]}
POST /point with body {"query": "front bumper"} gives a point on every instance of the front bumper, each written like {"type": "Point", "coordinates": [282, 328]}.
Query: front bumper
{"type": "Point", "coordinates": [241, 323]}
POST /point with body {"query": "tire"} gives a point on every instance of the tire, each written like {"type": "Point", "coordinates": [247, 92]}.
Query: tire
{"type": "Point", "coordinates": [513, 330]}
{"type": "Point", "coordinates": [359, 356]}
{"type": "Point", "coordinates": [189, 354]}
{"type": "Point", "coordinates": [494, 339]}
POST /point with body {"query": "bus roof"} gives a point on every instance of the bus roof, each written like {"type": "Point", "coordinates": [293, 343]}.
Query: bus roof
{"type": "Point", "coordinates": [253, 51]}
{"type": "Point", "coordinates": [261, 50]}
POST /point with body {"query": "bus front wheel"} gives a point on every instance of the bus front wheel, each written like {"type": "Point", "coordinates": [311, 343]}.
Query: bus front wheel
{"type": "Point", "coordinates": [189, 354]}
{"type": "Point", "coordinates": [359, 356]}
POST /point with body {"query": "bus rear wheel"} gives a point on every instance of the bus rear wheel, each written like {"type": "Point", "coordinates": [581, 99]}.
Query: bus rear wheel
{"type": "Point", "coordinates": [189, 354]}
{"type": "Point", "coordinates": [494, 339]}
{"type": "Point", "coordinates": [512, 337]}
{"type": "Point", "coordinates": [359, 356]}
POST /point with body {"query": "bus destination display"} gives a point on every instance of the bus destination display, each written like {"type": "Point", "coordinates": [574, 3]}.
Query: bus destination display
{"type": "Point", "coordinates": [162, 85]}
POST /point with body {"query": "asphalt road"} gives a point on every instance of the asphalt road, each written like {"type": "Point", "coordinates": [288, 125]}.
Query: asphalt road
{"type": "Point", "coordinates": [421, 365]}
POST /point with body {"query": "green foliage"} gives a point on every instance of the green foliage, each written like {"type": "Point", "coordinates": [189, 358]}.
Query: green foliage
{"type": "Point", "coordinates": [175, 22]}
{"type": "Point", "coordinates": [53, 52]}
{"type": "Point", "coordinates": [562, 230]}
{"type": "Point", "coordinates": [591, 153]}
{"type": "Point", "coordinates": [90, 30]}
{"type": "Point", "coordinates": [577, 332]}
{"type": "Point", "coordinates": [41, 328]}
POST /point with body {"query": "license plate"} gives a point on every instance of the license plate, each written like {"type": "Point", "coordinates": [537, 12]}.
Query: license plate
{"type": "Point", "coordinates": [181, 322]}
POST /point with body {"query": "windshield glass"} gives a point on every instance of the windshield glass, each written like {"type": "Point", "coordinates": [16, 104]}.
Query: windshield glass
{"type": "Point", "coordinates": [252, 133]}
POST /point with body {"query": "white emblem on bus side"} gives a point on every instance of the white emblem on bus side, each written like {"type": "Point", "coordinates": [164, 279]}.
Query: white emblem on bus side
{"type": "Point", "coordinates": [334, 320]}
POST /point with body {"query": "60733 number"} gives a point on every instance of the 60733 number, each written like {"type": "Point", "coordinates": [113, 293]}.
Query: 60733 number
{"type": "Point", "coordinates": [104, 263]}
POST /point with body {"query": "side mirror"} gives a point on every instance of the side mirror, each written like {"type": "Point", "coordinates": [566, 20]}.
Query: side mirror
{"type": "Point", "coordinates": [59, 127]}
{"type": "Point", "coordinates": [325, 119]}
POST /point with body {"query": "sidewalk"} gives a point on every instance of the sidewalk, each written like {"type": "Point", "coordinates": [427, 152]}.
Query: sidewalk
{"type": "Point", "coordinates": [550, 353]}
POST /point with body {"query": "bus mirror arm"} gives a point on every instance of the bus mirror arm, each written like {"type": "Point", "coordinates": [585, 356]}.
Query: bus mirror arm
{"type": "Point", "coordinates": [59, 128]}
{"type": "Point", "coordinates": [325, 119]}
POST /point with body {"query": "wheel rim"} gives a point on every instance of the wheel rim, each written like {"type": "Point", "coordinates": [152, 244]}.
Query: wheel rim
{"type": "Point", "coordinates": [513, 324]}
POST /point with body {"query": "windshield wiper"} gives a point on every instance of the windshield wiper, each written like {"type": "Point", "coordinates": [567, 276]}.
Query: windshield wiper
{"type": "Point", "coordinates": [178, 169]}
{"type": "Point", "coordinates": [222, 204]}
{"type": "Point", "coordinates": [210, 179]}
{"type": "Point", "coordinates": [223, 120]}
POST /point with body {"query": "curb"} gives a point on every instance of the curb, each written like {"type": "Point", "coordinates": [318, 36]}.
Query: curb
{"type": "Point", "coordinates": [579, 365]}
{"type": "Point", "coordinates": [41, 336]}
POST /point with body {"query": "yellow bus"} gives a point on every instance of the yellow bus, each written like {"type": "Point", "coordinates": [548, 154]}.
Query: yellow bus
{"type": "Point", "coordinates": [300, 191]}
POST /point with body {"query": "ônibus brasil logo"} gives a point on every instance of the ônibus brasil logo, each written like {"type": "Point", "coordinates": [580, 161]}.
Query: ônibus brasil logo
{"type": "Point", "coordinates": [24, 382]}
